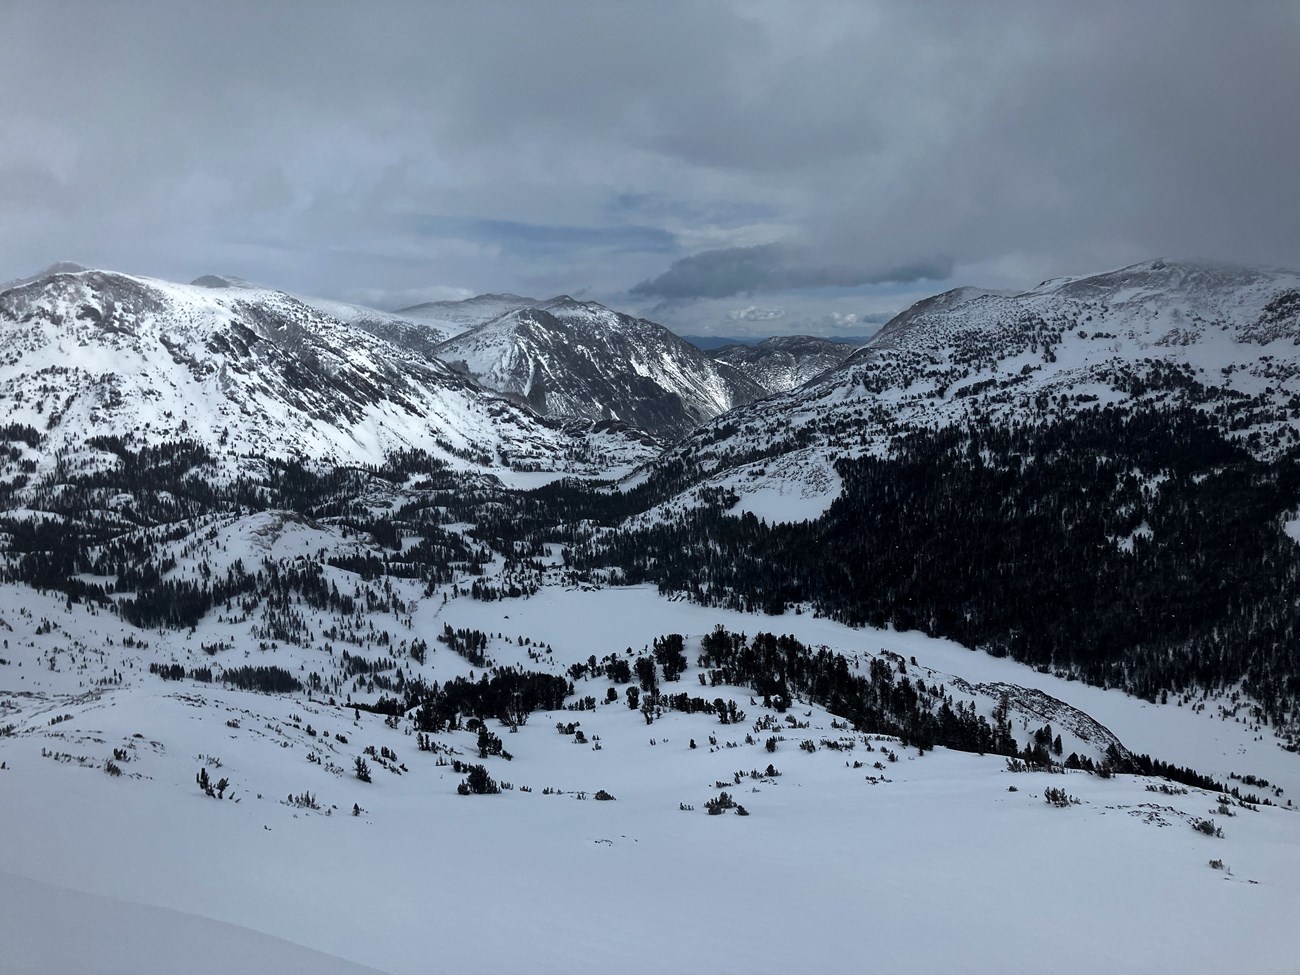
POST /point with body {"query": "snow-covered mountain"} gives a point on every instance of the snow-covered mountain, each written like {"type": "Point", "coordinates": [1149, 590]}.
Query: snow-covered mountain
{"type": "Point", "coordinates": [579, 359]}
{"type": "Point", "coordinates": [407, 333]}
{"type": "Point", "coordinates": [784, 362]}
{"type": "Point", "coordinates": [86, 353]}
{"type": "Point", "coordinates": [1223, 338]}
{"type": "Point", "coordinates": [454, 317]}
{"type": "Point", "coordinates": [346, 719]}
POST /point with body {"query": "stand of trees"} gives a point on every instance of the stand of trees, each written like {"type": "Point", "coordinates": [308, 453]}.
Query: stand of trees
{"type": "Point", "coordinates": [1139, 550]}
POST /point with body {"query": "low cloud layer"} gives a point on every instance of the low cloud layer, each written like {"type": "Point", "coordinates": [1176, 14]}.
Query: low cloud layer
{"type": "Point", "coordinates": [774, 267]}
{"type": "Point", "coordinates": [676, 155]}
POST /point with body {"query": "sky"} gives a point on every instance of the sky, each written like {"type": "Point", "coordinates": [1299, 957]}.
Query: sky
{"type": "Point", "coordinates": [742, 168]}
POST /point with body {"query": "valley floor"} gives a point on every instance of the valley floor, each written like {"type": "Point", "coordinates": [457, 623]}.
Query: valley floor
{"type": "Point", "coordinates": [945, 861]}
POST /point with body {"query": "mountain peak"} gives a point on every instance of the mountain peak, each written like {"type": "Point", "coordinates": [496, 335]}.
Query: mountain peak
{"type": "Point", "coordinates": [580, 360]}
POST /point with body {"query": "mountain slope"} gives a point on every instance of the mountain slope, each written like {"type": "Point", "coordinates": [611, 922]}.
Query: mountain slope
{"type": "Point", "coordinates": [454, 317]}
{"type": "Point", "coordinates": [1094, 476]}
{"type": "Point", "coordinates": [1222, 339]}
{"type": "Point", "coordinates": [253, 371]}
{"type": "Point", "coordinates": [577, 359]}
{"type": "Point", "coordinates": [407, 333]}
{"type": "Point", "coordinates": [784, 362]}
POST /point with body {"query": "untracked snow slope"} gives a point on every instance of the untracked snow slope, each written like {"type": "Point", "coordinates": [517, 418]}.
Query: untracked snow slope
{"type": "Point", "coordinates": [927, 862]}
{"type": "Point", "coordinates": [454, 317]}
{"type": "Point", "coordinates": [44, 928]}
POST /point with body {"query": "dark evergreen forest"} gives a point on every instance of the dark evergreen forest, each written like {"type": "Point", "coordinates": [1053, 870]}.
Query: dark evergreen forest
{"type": "Point", "coordinates": [1137, 549]}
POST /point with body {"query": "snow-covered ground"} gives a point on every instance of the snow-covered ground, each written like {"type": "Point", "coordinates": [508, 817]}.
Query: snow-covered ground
{"type": "Point", "coordinates": [935, 865]}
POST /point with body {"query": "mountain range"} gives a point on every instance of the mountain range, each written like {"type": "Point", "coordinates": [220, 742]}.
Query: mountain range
{"type": "Point", "coordinates": [1223, 338]}
{"type": "Point", "coordinates": [485, 632]}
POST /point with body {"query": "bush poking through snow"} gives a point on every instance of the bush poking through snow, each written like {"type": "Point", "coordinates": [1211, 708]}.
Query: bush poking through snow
{"type": "Point", "coordinates": [362, 769]}
{"type": "Point", "coordinates": [215, 790]}
{"type": "Point", "coordinates": [604, 796]}
{"type": "Point", "coordinates": [478, 783]}
{"type": "Point", "coordinates": [1208, 827]}
{"type": "Point", "coordinates": [1059, 798]}
{"type": "Point", "coordinates": [720, 804]}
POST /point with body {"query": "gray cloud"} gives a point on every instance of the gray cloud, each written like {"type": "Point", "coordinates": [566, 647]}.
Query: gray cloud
{"type": "Point", "coordinates": [753, 313]}
{"type": "Point", "coordinates": [697, 148]}
{"type": "Point", "coordinates": [774, 267]}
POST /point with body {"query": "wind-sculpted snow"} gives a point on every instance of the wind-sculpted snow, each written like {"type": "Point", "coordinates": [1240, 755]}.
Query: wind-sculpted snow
{"type": "Point", "coordinates": [454, 317]}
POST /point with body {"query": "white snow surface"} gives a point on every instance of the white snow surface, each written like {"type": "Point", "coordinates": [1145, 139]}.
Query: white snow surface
{"type": "Point", "coordinates": [1292, 527]}
{"type": "Point", "coordinates": [45, 928]}
{"type": "Point", "coordinates": [454, 317]}
{"type": "Point", "coordinates": [939, 862]}
{"type": "Point", "coordinates": [929, 863]}
{"type": "Point", "coordinates": [252, 371]}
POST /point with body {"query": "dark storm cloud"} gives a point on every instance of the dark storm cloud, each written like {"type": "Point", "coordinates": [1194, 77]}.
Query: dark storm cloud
{"type": "Point", "coordinates": [700, 148]}
{"type": "Point", "coordinates": [773, 267]}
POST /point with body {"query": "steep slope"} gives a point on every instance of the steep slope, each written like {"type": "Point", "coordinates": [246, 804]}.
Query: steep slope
{"type": "Point", "coordinates": [784, 362]}
{"type": "Point", "coordinates": [95, 353]}
{"type": "Point", "coordinates": [578, 359]}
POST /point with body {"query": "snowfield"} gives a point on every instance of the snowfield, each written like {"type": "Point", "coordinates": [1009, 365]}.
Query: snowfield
{"type": "Point", "coordinates": [926, 863]}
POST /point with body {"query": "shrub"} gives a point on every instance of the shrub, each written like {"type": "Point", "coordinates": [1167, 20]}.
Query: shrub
{"type": "Point", "coordinates": [1208, 827]}
{"type": "Point", "coordinates": [1059, 798]}
{"type": "Point", "coordinates": [478, 783]}
{"type": "Point", "coordinates": [720, 804]}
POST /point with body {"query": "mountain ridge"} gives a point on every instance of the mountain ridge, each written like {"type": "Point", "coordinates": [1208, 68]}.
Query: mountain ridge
{"type": "Point", "coordinates": [255, 371]}
{"type": "Point", "coordinates": [579, 359]}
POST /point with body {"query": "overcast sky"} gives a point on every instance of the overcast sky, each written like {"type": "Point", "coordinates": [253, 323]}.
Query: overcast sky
{"type": "Point", "coordinates": [740, 168]}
